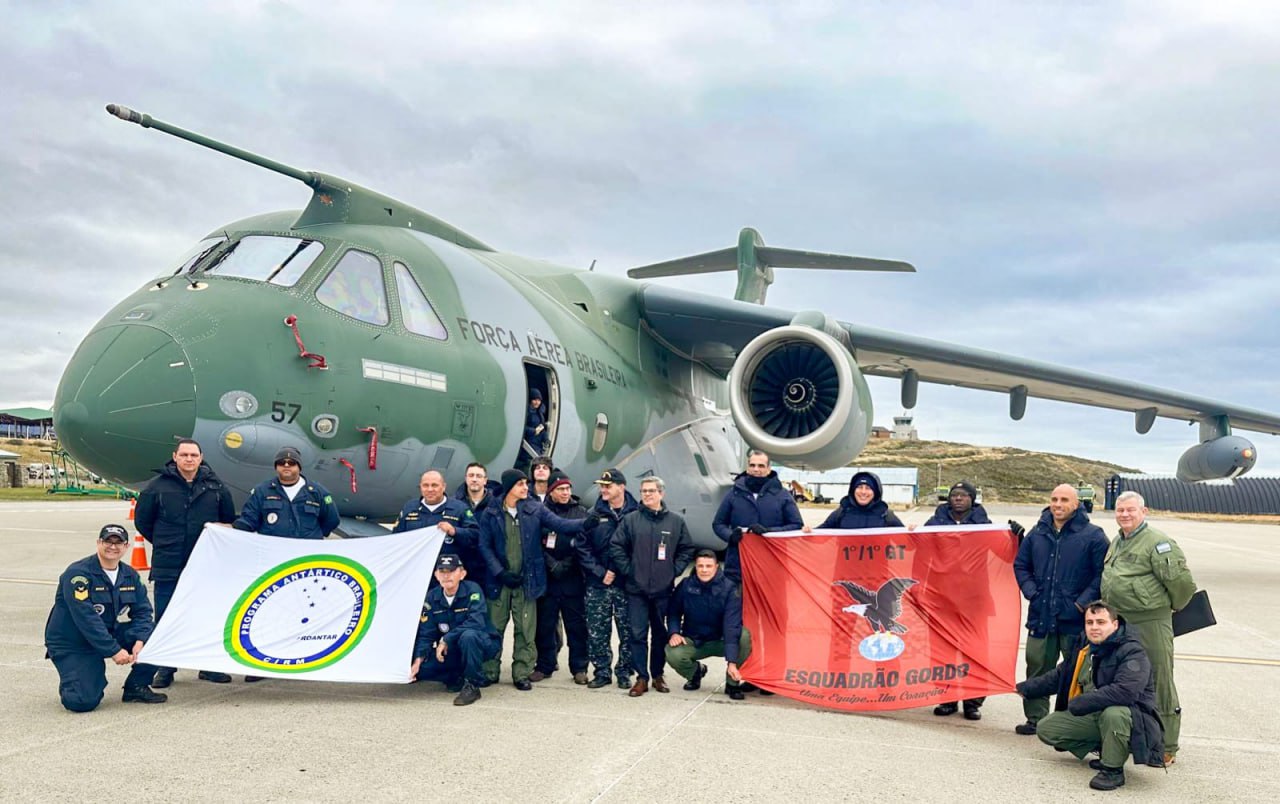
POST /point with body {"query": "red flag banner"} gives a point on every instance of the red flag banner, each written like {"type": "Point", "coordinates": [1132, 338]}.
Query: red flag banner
{"type": "Point", "coordinates": [884, 618]}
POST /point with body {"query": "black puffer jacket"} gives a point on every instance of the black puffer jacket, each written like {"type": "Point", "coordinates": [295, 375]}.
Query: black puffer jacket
{"type": "Point", "coordinates": [1122, 676]}
{"type": "Point", "coordinates": [171, 513]}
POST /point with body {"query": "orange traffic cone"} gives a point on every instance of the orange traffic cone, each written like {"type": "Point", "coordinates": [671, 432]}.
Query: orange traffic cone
{"type": "Point", "coordinates": [138, 560]}
{"type": "Point", "coordinates": [133, 505]}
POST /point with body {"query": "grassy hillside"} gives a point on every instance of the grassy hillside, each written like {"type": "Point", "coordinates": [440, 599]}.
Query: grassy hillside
{"type": "Point", "coordinates": [1004, 474]}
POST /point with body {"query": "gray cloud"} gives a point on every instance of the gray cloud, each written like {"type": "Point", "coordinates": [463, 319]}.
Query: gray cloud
{"type": "Point", "coordinates": [1084, 184]}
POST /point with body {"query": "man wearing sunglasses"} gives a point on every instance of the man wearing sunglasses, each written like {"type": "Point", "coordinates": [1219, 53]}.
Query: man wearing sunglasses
{"type": "Point", "coordinates": [288, 504]}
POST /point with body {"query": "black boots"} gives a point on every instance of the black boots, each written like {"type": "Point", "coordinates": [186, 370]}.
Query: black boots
{"type": "Point", "coordinates": [1107, 778]}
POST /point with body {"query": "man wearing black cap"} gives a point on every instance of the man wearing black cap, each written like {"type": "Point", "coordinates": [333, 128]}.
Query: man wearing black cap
{"type": "Point", "coordinates": [651, 548]}
{"type": "Point", "coordinates": [288, 505]}
{"type": "Point", "coordinates": [455, 635]}
{"type": "Point", "coordinates": [962, 508]}
{"type": "Point", "coordinates": [453, 517]}
{"type": "Point", "coordinates": [511, 543]}
{"type": "Point", "coordinates": [606, 602]}
{"type": "Point", "coordinates": [565, 587]}
{"type": "Point", "coordinates": [172, 512]}
{"type": "Point", "coordinates": [100, 611]}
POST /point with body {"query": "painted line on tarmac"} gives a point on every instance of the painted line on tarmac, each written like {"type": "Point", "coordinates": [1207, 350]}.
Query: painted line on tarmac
{"type": "Point", "coordinates": [653, 746]}
{"type": "Point", "coordinates": [1227, 660]}
{"type": "Point", "coordinates": [36, 581]}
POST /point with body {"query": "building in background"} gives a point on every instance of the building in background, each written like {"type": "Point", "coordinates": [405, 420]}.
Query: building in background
{"type": "Point", "coordinates": [901, 484]}
{"type": "Point", "coordinates": [1244, 495]}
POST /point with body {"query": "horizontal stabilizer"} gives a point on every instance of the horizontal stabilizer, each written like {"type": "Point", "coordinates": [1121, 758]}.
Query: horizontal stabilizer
{"type": "Point", "coordinates": [726, 259]}
{"type": "Point", "coordinates": [754, 262]}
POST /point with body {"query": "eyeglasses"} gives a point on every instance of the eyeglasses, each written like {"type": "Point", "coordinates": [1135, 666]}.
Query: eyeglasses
{"type": "Point", "coordinates": [650, 491]}
{"type": "Point", "coordinates": [287, 462]}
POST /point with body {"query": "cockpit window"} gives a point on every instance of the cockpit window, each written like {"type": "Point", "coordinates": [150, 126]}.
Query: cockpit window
{"type": "Point", "coordinates": [354, 287]}
{"type": "Point", "coordinates": [419, 317]}
{"type": "Point", "coordinates": [268, 258]}
{"type": "Point", "coordinates": [194, 255]}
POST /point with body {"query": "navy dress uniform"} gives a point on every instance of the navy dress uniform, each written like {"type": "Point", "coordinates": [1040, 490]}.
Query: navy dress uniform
{"type": "Point", "coordinates": [465, 541]}
{"type": "Point", "coordinates": [464, 626]}
{"type": "Point", "coordinates": [311, 514]}
{"type": "Point", "coordinates": [93, 619]}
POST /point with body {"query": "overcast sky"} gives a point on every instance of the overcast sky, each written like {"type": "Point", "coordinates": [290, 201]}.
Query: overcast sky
{"type": "Point", "coordinates": [1092, 184]}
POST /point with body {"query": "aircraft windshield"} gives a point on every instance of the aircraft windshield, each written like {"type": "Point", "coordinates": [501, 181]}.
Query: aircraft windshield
{"type": "Point", "coordinates": [268, 258]}
{"type": "Point", "coordinates": [354, 287]}
{"type": "Point", "coordinates": [194, 255]}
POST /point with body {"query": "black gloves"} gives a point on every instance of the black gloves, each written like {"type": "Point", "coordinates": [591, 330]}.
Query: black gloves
{"type": "Point", "coordinates": [757, 529]}
{"type": "Point", "coordinates": [511, 580]}
{"type": "Point", "coordinates": [1017, 529]}
{"type": "Point", "coordinates": [591, 522]}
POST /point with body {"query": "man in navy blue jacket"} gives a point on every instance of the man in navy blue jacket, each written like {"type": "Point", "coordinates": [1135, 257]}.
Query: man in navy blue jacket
{"type": "Point", "coordinates": [453, 517]}
{"type": "Point", "coordinates": [100, 611]}
{"type": "Point", "coordinates": [756, 503]}
{"type": "Point", "coordinates": [1059, 569]}
{"type": "Point", "coordinates": [288, 504]}
{"type": "Point", "coordinates": [455, 635]}
{"type": "Point", "coordinates": [511, 543]}
{"type": "Point", "coordinates": [705, 619]}
{"type": "Point", "coordinates": [606, 601]}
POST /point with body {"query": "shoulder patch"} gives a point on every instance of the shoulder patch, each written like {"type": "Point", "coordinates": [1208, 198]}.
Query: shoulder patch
{"type": "Point", "coordinates": [1163, 547]}
{"type": "Point", "coordinates": [328, 499]}
{"type": "Point", "coordinates": [79, 580]}
{"type": "Point", "coordinates": [475, 595]}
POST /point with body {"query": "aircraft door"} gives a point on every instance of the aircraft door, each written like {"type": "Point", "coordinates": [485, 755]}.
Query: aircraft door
{"type": "Point", "coordinates": [543, 379]}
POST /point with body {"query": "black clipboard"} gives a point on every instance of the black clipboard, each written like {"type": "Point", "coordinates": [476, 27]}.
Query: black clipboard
{"type": "Point", "coordinates": [1195, 615]}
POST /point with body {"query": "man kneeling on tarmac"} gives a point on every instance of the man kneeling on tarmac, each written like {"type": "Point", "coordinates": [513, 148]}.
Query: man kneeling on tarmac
{"type": "Point", "coordinates": [1106, 699]}
{"type": "Point", "coordinates": [455, 635]}
{"type": "Point", "coordinates": [705, 619]}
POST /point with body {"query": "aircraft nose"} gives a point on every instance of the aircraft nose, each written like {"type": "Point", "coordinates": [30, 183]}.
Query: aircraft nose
{"type": "Point", "coordinates": [124, 398]}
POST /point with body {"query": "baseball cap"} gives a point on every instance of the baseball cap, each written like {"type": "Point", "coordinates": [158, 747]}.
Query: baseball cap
{"type": "Point", "coordinates": [448, 562]}
{"type": "Point", "coordinates": [611, 476]}
{"type": "Point", "coordinates": [111, 533]}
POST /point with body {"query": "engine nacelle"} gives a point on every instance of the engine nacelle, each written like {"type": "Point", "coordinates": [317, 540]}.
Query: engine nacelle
{"type": "Point", "coordinates": [797, 394]}
{"type": "Point", "coordinates": [1227, 456]}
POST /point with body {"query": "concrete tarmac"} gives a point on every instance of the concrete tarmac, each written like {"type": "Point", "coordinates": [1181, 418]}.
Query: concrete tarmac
{"type": "Point", "coordinates": [312, 741]}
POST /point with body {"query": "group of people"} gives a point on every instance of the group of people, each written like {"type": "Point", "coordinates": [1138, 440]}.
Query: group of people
{"type": "Point", "coordinates": [524, 549]}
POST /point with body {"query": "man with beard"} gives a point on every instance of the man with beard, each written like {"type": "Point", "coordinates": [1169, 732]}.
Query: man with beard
{"type": "Point", "coordinates": [1105, 699]}
{"type": "Point", "coordinates": [1058, 569]}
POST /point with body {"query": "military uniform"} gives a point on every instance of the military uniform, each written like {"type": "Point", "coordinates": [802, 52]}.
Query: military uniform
{"type": "Point", "coordinates": [1145, 576]}
{"type": "Point", "coordinates": [606, 605]}
{"type": "Point", "coordinates": [466, 629]}
{"type": "Point", "coordinates": [465, 541]}
{"type": "Point", "coordinates": [311, 514]}
{"type": "Point", "coordinates": [94, 619]}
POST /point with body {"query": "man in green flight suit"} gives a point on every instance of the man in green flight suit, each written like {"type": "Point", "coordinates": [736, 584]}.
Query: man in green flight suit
{"type": "Point", "coordinates": [1145, 577]}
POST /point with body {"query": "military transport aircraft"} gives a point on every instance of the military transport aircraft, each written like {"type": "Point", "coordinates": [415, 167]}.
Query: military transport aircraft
{"type": "Point", "coordinates": [383, 341]}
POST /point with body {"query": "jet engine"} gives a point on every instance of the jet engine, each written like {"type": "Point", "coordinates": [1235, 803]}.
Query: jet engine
{"type": "Point", "coordinates": [796, 393]}
{"type": "Point", "coordinates": [1225, 456]}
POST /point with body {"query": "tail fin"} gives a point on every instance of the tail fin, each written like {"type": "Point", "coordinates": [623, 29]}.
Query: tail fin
{"type": "Point", "coordinates": [754, 262]}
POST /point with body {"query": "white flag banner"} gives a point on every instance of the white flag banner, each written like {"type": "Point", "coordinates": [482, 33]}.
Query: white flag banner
{"type": "Point", "coordinates": [332, 610]}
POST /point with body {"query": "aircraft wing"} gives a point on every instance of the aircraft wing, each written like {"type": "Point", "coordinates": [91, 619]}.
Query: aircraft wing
{"type": "Point", "coordinates": [713, 330]}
